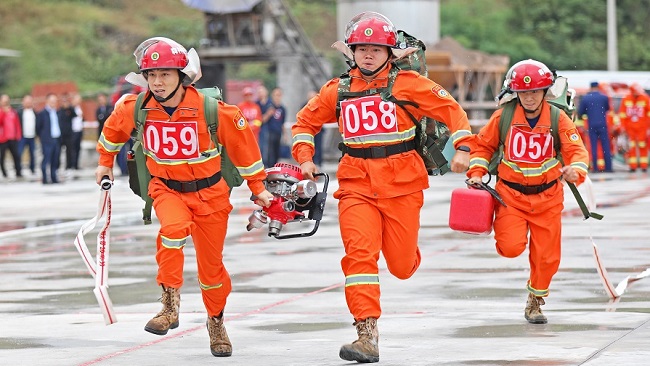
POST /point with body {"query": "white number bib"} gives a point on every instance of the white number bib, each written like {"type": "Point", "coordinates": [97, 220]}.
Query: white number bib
{"type": "Point", "coordinates": [171, 140]}
{"type": "Point", "coordinates": [529, 147]}
{"type": "Point", "coordinates": [368, 116]}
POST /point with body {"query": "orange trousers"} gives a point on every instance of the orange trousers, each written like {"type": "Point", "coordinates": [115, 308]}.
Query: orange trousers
{"type": "Point", "coordinates": [539, 217]}
{"type": "Point", "coordinates": [368, 226]}
{"type": "Point", "coordinates": [638, 139]}
{"type": "Point", "coordinates": [205, 219]}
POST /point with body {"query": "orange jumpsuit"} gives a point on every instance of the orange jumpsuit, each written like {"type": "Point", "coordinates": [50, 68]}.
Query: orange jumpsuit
{"type": "Point", "coordinates": [379, 198]}
{"type": "Point", "coordinates": [179, 147]}
{"type": "Point", "coordinates": [530, 160]}
{"type": "Point", "coordinates": [253, 114]}
{"type": "Point", "coordinates": [634, 113]}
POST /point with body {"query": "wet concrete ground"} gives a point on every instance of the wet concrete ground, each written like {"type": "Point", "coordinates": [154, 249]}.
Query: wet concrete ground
{"type": "Point", "coordinates": [464, 306]}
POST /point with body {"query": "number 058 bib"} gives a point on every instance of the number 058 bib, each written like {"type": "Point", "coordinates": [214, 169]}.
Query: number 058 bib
{"type": "Point", "coordinates": [367, 116]}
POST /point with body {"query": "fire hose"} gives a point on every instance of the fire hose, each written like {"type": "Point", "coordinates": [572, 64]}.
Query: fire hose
{"type": "Point", "coordinates": [98, 268]}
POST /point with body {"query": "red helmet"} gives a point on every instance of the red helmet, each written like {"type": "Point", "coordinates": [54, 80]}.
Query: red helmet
{"type": "Point", "coordinates": [637, 89]}
{"type": "Point", "coordinates": [161, 53]}
{"type": "Point", "coordinates": [371, 28]}
{"type": "Point", "coordinates": [529, 75]}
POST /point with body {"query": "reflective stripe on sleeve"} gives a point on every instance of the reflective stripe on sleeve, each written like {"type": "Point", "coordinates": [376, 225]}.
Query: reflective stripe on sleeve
{"type": "Point", "coordinates": [108, 145]}
{"type": "Point", "coordinates": [303, 137]}
{"type": "Point", "coordinates": [248, 171]}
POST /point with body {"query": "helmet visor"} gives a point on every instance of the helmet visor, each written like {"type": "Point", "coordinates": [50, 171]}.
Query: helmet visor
{"type": "Point", "coordinates": [142, 48]}
{"type": "Point", "coordinates": [350, 27]}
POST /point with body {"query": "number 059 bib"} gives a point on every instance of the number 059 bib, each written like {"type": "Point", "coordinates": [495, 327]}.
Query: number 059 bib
{"type": "Point", "coordinates": [171, 140]}
{"type": "Point", "coordinates": [529, 147]}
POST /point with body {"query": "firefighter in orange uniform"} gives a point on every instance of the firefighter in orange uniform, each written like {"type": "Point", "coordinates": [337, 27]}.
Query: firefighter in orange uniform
{"type": "Point", "coordinates": [189, 196]}
{"type": "Point", "coordinates": [529, 178]}
{"type": "Point", "coordinates": [251, 111]}
{"type": "Point", "coordinates": [634, 113]}
{"type": "Point", "coordinates": [381, 177]}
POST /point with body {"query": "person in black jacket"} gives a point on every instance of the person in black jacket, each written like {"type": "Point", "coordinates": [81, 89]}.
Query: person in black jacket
{"type": "Point", "coordinates": [104, 109]}
{"type": "Point", "coordinates": [66, 114]}
{"type": "Point", "coordinates": [48, 131]}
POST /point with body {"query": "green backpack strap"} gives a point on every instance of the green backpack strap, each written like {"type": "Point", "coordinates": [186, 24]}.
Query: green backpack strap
{"type": "Point", "coordinates": [142, 185]}
{"type": "Point", "coordinates": [505, 121]}
{"type": "Point", "coordinates": [555, 131]}
{"type": "Point", "coordinates": [229, 171]}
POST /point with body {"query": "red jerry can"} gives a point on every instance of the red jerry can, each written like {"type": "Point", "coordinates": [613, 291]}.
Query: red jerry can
{"type": "Point", "coordinates": [471, 211]}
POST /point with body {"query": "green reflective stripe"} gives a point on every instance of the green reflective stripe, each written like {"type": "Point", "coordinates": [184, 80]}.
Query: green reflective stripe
{"type": "Point", "coordinates": [205, 287]}
{"type": "Point", "coordinates": [362, 279]}
{"type": "Point", "coordinates": [303, 137]}
{"type": "Point", "coordinates": [204, 156]}
{"type": "Point", "coordinates": [108, 145]}
{"type": "Point", "coordinates": [580, 165]}
{"type": "Point", "coordinates": [382, 138]}
{"type": "Point", "coordinates": [532, 172]}
{"type": "Point", "coordinates": [536, 292]}
{"type": "Point", "coordinates": [459, 134]}
{"type": "Point", "coordinates": [479, 162]}
{"type": "Point", "coordinates": [173, 243]}
{"type": "Point", "coordinates": [247, 171]}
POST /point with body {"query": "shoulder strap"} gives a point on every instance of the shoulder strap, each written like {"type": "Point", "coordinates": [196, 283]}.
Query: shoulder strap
{"type": "Point", "coordinates": [140, 117]}
{"type": "Point", "coordinates": [555, 125]}
{"type": "Point", "coordinates": [345, 93]}
{"type": "Point", "coordinates": [506, 120]}
{"type": "Point", "coordinates": [387, 94]}
{"type": "Point", "coordinates": [210, 106]}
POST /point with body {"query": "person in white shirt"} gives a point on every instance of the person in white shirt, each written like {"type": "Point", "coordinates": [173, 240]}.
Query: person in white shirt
{"type": "Point", "coordinates": [27, 118]}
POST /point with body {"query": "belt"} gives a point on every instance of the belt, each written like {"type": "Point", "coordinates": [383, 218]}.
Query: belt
{"type": "Point", "coordinates": [377, 152]}
{"type": "Point", "coordinates": [529, 189]}
{"type": "Point", "coordinates": [192, 186]}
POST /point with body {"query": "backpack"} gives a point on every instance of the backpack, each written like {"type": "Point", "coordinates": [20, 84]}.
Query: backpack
{"type": "Point", "coordinates": [562, 103]}
{"type": "Point", "coordinates": [431, 136]}
{"type": "Point", "coordinates": [139, 175]}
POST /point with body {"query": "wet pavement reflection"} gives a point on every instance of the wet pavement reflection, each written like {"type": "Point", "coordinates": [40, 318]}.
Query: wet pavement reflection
{"type": "Point", "coordinates": [464, 306]}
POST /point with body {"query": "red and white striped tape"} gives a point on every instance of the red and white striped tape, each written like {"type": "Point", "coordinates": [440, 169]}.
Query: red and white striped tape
{"type": "Point", "coordinates": [613, 292]}
{"type": "Point", "coordinates": [99, 268]}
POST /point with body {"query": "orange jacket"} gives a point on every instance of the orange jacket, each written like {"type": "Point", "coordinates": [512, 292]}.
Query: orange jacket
{"type": "Point", "coordinates": [634, 112]}
{"type": "Point", "coordinates": [398, 174]}
{"type": "Point", "coordinates": [233, 133]}
{"type": "Point", "coordinates": [572, 148]}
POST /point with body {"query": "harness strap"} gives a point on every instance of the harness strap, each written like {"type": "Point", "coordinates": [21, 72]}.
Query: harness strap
{"type": "Point", "coordinates": [192, 186]}
{"type": "Point", "coordinates": [377, 152]}
{"type": "Point", "coordinates": [528, 190]}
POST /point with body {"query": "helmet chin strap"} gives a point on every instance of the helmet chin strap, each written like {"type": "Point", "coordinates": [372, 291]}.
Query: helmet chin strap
{"type": "Point", "coordinates": [367, 72]}
{"type": "Point", "coordinates": [170, 96]}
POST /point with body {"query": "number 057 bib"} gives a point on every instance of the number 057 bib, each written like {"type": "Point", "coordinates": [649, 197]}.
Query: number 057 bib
{"type": "Point", "coordinates": [529, 147]}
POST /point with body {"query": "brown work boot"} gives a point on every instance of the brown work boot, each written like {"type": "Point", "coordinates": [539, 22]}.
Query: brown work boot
{"type": "Point", "coordinates": [167, 318]}
{"type": "Point", "coordinates": [220, 345]}
{"type": "Point", "coordinates": [533, 313]}
{"type": "Point", "coordinates": [366, 348]}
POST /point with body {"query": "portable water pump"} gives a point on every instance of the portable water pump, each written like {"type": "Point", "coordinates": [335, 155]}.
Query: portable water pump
{"type": "Point", "coordinates": [292, 197]}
